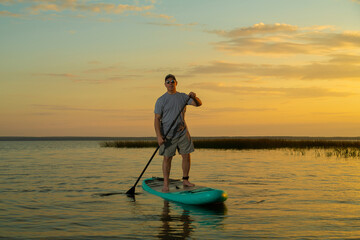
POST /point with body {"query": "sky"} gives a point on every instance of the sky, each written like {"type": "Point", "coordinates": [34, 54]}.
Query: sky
{"type": "Point", "coordinates": [260, 67]}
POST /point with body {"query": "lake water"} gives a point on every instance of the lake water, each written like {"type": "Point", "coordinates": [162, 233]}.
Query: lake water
{"type": "Point", "coordinates": [53, 190]}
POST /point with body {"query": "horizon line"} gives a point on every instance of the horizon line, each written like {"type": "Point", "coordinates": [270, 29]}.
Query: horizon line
{"type": "Point", "coordinates": [19, 138]}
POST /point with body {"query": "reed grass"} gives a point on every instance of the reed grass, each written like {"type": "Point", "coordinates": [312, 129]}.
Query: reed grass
{"type": "Point", "coordinates": [129, 144]}
{"type": "Point", "coordinates": [345, 152]}
{"type": "Point", "coordinates": [338, 148]}
{"type": "Point", "coordinates": [273, 144]}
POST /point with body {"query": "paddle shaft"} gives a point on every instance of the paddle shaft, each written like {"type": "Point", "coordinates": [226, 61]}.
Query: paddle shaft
{"type": "Point", "coordinates": [132, 190]}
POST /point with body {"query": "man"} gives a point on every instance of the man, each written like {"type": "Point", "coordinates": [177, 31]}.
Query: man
{"type": "Point", "coordinates": [167, 107]}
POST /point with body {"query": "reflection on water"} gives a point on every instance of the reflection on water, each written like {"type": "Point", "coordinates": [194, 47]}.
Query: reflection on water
{"type": "Point", "coordinates": [76, 190]}
{"type": "Point", "coordinates": [175, 226]}
{"type": "Point", "coordinates": [177, 219]}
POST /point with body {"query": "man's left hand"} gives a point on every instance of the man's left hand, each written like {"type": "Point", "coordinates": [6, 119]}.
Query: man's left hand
{"type": "Point", "coordinates": [192, 95]}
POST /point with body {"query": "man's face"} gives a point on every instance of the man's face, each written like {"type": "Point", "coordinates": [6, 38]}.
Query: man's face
{"type": "Point", "coordinates": [170, 84]}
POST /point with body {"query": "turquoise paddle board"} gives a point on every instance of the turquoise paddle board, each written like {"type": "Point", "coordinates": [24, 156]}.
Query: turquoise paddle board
{"type": "Point", "coordinates": [197, 195]}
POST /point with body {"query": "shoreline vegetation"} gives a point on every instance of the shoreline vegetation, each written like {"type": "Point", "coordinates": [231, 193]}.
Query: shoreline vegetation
{"type": "Point", "coordinates": [334, 147]}
{"type": "Point", "coordinates": [94, 138]}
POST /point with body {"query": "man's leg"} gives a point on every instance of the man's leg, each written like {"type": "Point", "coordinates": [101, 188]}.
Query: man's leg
{"type": "Point", "coordinates": [166, 166]}
{"type": "Point", "coordinates": [186, 162]}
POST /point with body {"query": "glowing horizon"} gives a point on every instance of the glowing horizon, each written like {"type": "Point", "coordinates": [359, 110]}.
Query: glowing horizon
{"type": "Point", "coordinates": [96, 68]}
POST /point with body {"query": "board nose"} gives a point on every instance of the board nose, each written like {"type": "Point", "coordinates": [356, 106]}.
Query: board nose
{"type": "Point", "coordinates": [224, 196]}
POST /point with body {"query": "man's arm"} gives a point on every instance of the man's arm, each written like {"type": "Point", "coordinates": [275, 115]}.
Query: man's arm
{"type": "Point", "coordinates": [160, 138]}
{"type": "Point", "coordinates": [196, 101]}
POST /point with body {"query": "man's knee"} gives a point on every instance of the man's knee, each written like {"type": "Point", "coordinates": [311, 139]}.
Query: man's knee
{"type": "Point", "coordinates": [186, 157]}
{"type": "Point", "coordinates": [167, 159]}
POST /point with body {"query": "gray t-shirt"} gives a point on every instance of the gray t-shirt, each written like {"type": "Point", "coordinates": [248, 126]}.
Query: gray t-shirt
{"type": "Point", "coordinates": [168, 107]}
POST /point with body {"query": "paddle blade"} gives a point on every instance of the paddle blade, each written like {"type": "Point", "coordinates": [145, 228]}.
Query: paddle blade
{"type": "Point", "coordinates": [131, 192]}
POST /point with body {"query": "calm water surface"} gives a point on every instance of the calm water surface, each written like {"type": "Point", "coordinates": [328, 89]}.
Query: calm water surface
{"type": "Point", "coordinates": [53, 190]}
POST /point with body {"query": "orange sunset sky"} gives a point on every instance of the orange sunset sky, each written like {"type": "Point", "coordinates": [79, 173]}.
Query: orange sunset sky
{"type": "Point", "coordinates": [261, 67]}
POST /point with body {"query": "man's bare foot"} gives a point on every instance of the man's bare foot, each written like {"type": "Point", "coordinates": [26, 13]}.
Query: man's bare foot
{"type": "Point", "coordinates": [186, 183]}
{"type": "Point", "coordinates": [165, 189]}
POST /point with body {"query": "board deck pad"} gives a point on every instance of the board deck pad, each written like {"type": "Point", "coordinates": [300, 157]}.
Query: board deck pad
{"type": "Point", "coordinates": [197, 195]}
{"type": "Point", "coordinates": [175, 185]}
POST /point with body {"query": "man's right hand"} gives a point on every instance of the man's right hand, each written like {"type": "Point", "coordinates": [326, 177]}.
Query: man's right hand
{"type": "Point", "coordinates": [160, 140]}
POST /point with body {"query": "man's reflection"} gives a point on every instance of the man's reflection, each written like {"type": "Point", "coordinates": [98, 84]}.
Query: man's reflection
{"type": "Point", "coordinates": [175, 226]}
{"type": "Point", "coordinates": [181, 226]}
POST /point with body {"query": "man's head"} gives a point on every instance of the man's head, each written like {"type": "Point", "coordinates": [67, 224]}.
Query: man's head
{"type": "Point", "coordinates": [170, 77]}
{"type": "Point", "coordinates": [170, 83]}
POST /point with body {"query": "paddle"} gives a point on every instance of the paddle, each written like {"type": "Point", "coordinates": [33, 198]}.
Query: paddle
{"type": "Point", "coordinates": [131, 191]}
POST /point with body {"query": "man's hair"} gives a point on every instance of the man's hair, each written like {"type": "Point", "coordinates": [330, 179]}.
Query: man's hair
{"type": "Point", "coordinates": [170, 76]}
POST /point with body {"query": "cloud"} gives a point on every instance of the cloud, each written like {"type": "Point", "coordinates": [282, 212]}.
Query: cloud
{"type": "Point", "coordinates": [106, 75]}
{"type": "Point", "coordinates": [173, 24]}
{"type": "Point", "coordinates": [345, 59]}
{"type": "Point", "coordinates": [37, 6]}
{"type": "Point", "coordinates": [213, 112]}
{"type": "Point", "coordinates": [74, 5]}
{"type": "Point", "coordinates": [339, 66]}
{"type": "Point", "coordinates": [161, 16]}
{"type": "Point", "coordinates": [236, 109]}
{"type": "Point", "coordinates": [8, 2]}
{"type": "Point", "coordinates": [341, 49]}
{"type": "Point", "coordinates": [62, 75]}
{"type": "Point", "coordinates": [307, 92]}
{"type": "Point", "coordinates": [45, 7]}
{"type": "Point", "coordinates": [111, 8]}
{"type": "Point", "coordinates": [259, 28]}
{"type": "Point", "coordinates": [53, 8]}
{"type": "Point", "coordinates": [103, 80]}
{"type": "Point", "coordinates": [118, 113]}
{"type": "Point", "coordinates": [285, 39]}
{"type": "Point", "coordinates": [68, 108]}
{"type": "Point", "coordinates": [168, 21]}
{"type": "Point", "coordinates": [9, 14]}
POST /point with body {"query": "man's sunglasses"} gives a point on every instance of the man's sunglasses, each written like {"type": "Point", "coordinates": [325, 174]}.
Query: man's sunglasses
{"type": "Point", "coordinates": [168, 81]}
